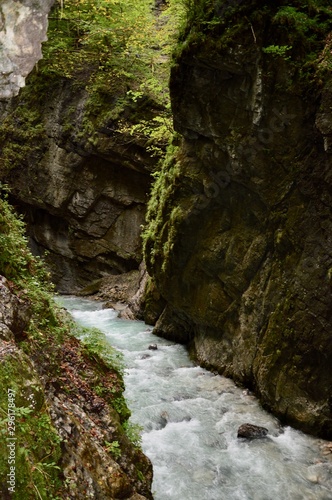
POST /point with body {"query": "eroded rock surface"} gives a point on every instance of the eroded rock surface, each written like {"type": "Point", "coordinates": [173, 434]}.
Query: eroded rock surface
{"type": "Point", "coordinates": [23, 27]}
{"type": "Point", "coordinates": [84, 203]}
{"type": "Point", "coordinates": [14, 312]}
{"type": "Point", "coordinates": [240, 244]}
{"type": "Point", "coordinates": [74, 420]}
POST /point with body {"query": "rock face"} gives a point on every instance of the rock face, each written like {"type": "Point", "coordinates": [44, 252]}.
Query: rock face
{"type": "Point", "coordinates": [14, 313]}
{"type": "Point", "coordinates": [23, 27]}
{"type": "Point", "coordinates": [89, 428]}
{"type": "Point", "coordinates": [77, 430]}
{"type": "Point", "coordinates": [239, 241]}
{"type": "Point", "coordinates": [84, 203]}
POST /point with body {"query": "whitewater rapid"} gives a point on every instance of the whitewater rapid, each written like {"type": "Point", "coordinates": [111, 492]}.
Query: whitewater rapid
{"type": "Point", "coordinates": [190, 419]}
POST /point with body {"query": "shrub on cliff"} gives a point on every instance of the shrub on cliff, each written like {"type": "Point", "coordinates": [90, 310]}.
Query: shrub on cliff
{"type": "Point", "coordinates": [119, 49]}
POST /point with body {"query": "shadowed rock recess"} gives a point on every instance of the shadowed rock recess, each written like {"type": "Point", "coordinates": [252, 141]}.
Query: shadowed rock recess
{"type": "Point", "coordinates": [84, 203]}
{"type": "Point", "coordinates": [239, 238]}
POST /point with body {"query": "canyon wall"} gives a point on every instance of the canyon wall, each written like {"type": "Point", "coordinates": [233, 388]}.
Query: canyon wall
{"type": "Point", "coordinates": [74, 420]}
{"type": "Point", "coordinates": [78, 169]}
{"type": "Point", "coordinates": [83, 198]}
{"type": "Point", "coordinates": [239, 236]}
{"type": "Point", "coordinates": [71, 442]}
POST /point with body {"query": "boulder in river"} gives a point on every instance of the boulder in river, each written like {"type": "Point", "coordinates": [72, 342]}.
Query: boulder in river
{"type": "Point", "coordinates": [251, 431]}
{"type": "Point", "coordinates": [153, 347]}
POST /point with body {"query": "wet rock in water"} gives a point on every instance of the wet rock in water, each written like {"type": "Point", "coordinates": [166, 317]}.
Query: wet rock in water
{"type": "Point", "coordinates": [145, 356]}
{"type": "Point", "coordinates": [326, 449]}
{"type": "Point", "coordinates": [153, 347]}
{"type": "Point", "coordinates": [251, 431]}
{"type": "Point", "coordinates": [320, 473]}
{"type": "Point", "coordinates": [163, 421]}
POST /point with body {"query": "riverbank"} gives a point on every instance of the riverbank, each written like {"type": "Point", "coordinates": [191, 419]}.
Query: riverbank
{"type": "Point", "coordinates": [63, 411]}
{"type": "Point", "coordinates": [69, 413]}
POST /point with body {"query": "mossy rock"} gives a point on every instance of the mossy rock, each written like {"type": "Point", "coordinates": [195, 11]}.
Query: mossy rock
{"type": "Point", "coordinates": [30, 445]}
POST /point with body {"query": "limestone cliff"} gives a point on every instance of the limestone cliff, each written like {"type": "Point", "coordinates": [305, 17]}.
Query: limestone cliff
{"type": "Point", "coordinates": [23, 26]}
{"type": "Point", "coordinates": [239, 227]}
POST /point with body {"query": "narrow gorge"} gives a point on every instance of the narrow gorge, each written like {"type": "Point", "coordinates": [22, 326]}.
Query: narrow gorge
{"type": "Point", "coordinates": [172, 159]}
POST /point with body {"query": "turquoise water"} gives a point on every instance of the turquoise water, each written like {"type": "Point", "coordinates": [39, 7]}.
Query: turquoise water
{"type": "Point", "coordinates": [190, 418]}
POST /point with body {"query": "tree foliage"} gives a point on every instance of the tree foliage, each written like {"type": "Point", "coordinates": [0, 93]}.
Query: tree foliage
{"type": "Point", "coordinates": [109, 39]}
{"type": "Point", "coordinates": [117, 47]}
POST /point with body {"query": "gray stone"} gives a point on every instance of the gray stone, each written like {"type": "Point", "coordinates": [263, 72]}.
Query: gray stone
{"type": "Point", "coordinates": [23, 27]}
{"type": "Point", "coordinates": [85, 209]}
{"type": "Point", "coordinates": [251, 431]}
{"type": "Point", "coordinates": [15, 313]}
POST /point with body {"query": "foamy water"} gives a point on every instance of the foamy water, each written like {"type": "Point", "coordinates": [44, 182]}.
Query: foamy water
{"type": "Point", "coordinates": [190, 418]}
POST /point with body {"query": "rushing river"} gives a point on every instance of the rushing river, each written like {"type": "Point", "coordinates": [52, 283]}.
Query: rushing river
{"type": "Point", "coordinates": [190, 418]}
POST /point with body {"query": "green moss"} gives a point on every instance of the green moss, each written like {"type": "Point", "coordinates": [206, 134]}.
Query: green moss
{"type": "Point", "coordinates": [48, 340]}
{"type": "Point", "coordinates": [295, 33]}
{"type": "Point", "coordinates": [160, 209]}
{"type": "Point", "coordinates": [97, 346]}
{"type": "Point", "coordinates": [37, 449]}
{"type": "Point", "coordinates": [32, 455]}
{"type": "Point", "coordinates": [21, 138]}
